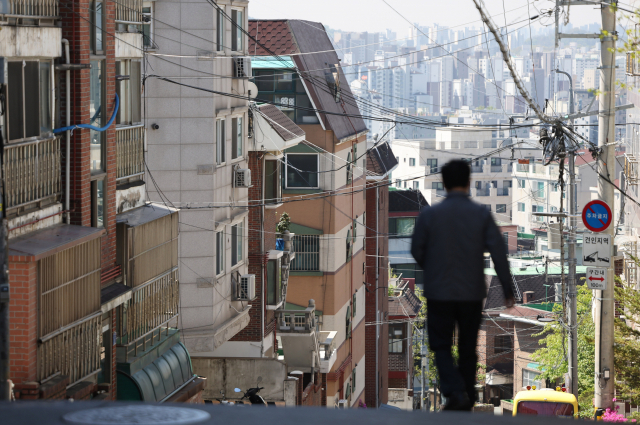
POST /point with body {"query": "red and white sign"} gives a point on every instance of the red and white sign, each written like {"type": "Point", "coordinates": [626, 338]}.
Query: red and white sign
{"type": "Point", "coordinates": [596, 216]}
{"type": "Point", "coordinates": [596, 278]}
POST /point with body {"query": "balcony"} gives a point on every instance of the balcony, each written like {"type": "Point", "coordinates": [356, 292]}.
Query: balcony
{"type": "Point", "coordinates": [496, 168]}
{"type": "Point", "coordinates": [503, 191]}
{"type": "Point", "coordinates": [300, 339]}
{"type": "Point", "coordinates": [32, 12]}
{"type": "Point", "coordinates": [32, 174]}
{"type": "Point", "coordinates": [522, 168]}
{"type": "Point", "coordinates": [476, 168]}
{"type": "Point", "coordinates": [483, 192]}
{"type": "Point", "coordinates": [328, 352]}
{"type": "Point", "coordinates": [148, 313]}
{"type": "Point", "coordinates": [129, 12]}
{"type": "Point", "coordinates": [129, 152]}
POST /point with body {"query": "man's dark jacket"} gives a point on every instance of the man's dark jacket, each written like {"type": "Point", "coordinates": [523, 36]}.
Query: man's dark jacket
{"type": "Point", "coordinates": [449, 243]}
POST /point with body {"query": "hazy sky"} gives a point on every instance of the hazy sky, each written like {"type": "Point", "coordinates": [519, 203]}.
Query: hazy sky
{"type": "Point", "coordinates": [375, 15]}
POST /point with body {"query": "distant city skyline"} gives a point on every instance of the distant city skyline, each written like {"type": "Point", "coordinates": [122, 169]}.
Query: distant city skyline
{"type": "Point", "coordinates": [377, 16]}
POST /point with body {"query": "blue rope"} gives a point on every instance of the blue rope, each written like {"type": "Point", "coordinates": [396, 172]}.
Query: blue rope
{"type": "Point", "coordinates": [111, 120]}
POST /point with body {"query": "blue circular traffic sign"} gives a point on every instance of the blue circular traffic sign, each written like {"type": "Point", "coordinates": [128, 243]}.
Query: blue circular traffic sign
{"type": "Point", "coordinates": [596, 216]}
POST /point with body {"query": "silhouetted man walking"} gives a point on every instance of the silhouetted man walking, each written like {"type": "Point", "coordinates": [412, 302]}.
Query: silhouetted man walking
{"type": "Point", "coordinates": [449, 243]}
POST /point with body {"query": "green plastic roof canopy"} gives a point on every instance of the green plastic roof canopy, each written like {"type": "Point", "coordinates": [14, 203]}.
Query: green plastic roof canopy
{"type": "Point", "coordinates": [159, 379]}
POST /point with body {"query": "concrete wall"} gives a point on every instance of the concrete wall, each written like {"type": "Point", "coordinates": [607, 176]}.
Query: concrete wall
{"type": "Point", "coordinates": [30, 42]}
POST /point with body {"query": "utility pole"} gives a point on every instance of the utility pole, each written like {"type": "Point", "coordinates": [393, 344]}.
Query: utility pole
{"type": "Point", "coordinates": [423, 360]}
{"type": "Point", "coordinates": [604, 314]}
{"type": "Point", "coordinates": [5, 389]}
{"type": "Point", "coordinates": [571, 301]}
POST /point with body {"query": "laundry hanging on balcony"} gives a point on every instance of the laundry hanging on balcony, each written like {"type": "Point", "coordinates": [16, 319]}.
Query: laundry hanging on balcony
{"type": "Point", "coordinates": [89, 126]}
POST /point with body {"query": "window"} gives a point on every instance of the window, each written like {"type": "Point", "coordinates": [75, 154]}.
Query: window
{"type": "Point", "coordinates": [520, 229]}
{"type": "Point", "coordinates": [28, 99]}
{"type": "Point", "coordinates": [97, 27]}
{"type": "Point", "coordinates": [236, 137]}
{"type": "Point", "coordinates": [401, 227]}
{"type": "Point", "coordinates": [501, 208]}
{"type": "Point", "coordinates": [272, 186]}
{"type": "Point", "coordinates": [220, 30]}
{"type": "Point", "coordinates": [530, 378]}
{"type": "Point", "coordinates": [416, 185]}
{"type": "Point", "coordinates": [221, 140]}
{"type": "Point", "coordinates": [219, 253]}
{"type": "Point", "coordinates": [128, 81]}
{"type": "Point", "coordinates": [302, 170]}
{"type": "Point", "coordinates": [349, 245]}
{"type": "Point", "coordinates": [487, 206]}
{"type": "Point", "coordinates": [353, 303]}
{"type": "Point", "coordinates": [496, 162]}
{"type": "Point", "coordinates": [236, 244]}
{"type": "Point", "coordinates": [505, 237]}
{"type": "Point", "coordinates": [501, 344]}
{"type": "Point", "coordinates": [307, 249]}
{"type": "Point", "coordinates": [412, 162]}
{"type": "Point", "coordinates": [437, 186]}
{"type": "Point", "coordinates": [521, 207]}
{"type": "Point", "coordinates": [506, 183]}
{"type": "Point", "coordinates": [405, 185]}
{"type": "Point", "coordinates": [348, 322]}
{"type": "Point", "coordinates": [432, 163]}
{"type": "Point", "coordinates": [274, 282]}
{"type": "Point", "coordinates": [349, 172]}
{"type": "Point", "coordinates": [540, 192]}
{"type": "Point", "coordinates": [96, 109]}
{"type": "Point", "coordinates": [554, 187]}
{"type": "Point", "coordinates": [353, 379]}
{"type": "Point", "coordinates": [286, 89]}
{"type": "Point", "coordinates": [398, 182]}
{"type": "Point", "coordinates": [538, 208]}
{"type": "Point", "coordinates": [396, 338]}
{"type": "Point", "coordinates": [521, 183]}
{"type": "Point", "coordinates": [237, 34]}
{"type": "Point", "coordinates": [98, 209]}
{"type": "Point", "coordinates": [147, 24]}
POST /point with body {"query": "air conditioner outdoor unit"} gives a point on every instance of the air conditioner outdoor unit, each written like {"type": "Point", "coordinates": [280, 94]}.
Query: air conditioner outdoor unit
{"type": "Point", "coordinates": [241, 67]}
{"type": "Point", "coordinates": [342, 404]}
{"type": "Point", "coordinates": [246, 290]}
{"type": "Point", "coordinates": [242, 177]}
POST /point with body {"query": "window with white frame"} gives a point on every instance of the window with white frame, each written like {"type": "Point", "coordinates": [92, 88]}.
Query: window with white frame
{"type": "Point", "coordinates": [28, 99]}
{"type": "Point", "coordinates": [220, 30]}
{"type": "Point", "coordinates": [396, 338]}
{"type": "Point", "coordinates": [128, 88]}
{"type": "Point", "coordinates": [147, 23]}
{"type": "Point", "coordinates": [521, 207]}
{"type": "Point", "coordinates": [302, 171]}
{"type": "Point", "coordinates": [220, 141]}
{"type": "Point", "coordinates": [237, 30]}
{"type": "Point", "coordinates": [236, 243]}
{"type": "Point", "coordinates": [521, 183]}
{"type": "Point", "coordinates": [416, 185]}
{"type": "Point", "coordinates": [501, 208]}
{"type": "Point", "coordinates": [236, 138]}
{"type": "Point", "coordinates": [412, 162]}
{"type": "Point", "coordinates": [220, 252]}
{"type": "Point", "coordinates": [432, 163]}
{"type": "Point", "coordinates": [530, 378]}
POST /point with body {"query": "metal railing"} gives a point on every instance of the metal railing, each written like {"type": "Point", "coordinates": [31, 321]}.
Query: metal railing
{"type": "Point", "coordinates": [307, 249]}
{"type": "Point", "coordinates": [74, 352]}
{"type": "Point", "coordinates": [34, 8]}
{"type": "Point", "coordinates": [483, 192]}
{"type": "Point", "coordinates": [129, 11]}
{"type": "Point", "coordinates": [496, 168]}
{"type": "Point", "coordinates": [32, 171]}
{"type": "Point", "coordinates": [476, 168]}
{"type": "Point", "coordinates": [151, 306]}
{"type": "Point", "coordinates": [522, 168]}
{"type": "Point", "coordinates": [129, 151]}
{"type": "Point", "coordinates": [503, 191]}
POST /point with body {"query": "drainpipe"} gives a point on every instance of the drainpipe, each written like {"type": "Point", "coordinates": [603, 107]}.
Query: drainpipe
{"type": "Point", "coordinates": [67, 165]}
{"type": "Point", "coordinates": [377, 294]}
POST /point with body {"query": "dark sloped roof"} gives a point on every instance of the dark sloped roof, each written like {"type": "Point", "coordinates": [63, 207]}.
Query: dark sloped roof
{"type": "Point", "coordinates": [380, 159]}
{"type": "Point", "coordinates": [406, 201]}
{"type": "Point", "coordinates": [407, 305]}
{"type": "Point", "coordinates": [310, 37]}
{"type": "Point", "coordinates": [274, 35]}
{"type": "Point", "coordinates": [503, 368]}
{"type": "Point", "coordinates": [535, 283]}
{"type": "Point", "coordinates": [281, 123]}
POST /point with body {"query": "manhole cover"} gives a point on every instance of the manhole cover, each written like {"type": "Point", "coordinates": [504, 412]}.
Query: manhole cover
{"type": "Point", "coordinates": [137, 415]}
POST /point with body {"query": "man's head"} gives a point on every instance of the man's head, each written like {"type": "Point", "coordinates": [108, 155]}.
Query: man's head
{"type": "Point", "coordinates": [455, 175]}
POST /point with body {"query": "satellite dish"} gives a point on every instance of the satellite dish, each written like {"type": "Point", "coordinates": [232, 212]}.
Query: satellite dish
{"type": "Point", "coordinates": [252, 89]}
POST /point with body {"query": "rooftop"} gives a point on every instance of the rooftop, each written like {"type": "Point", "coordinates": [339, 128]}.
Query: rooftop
{"type": "Point", "coordinates": [281, 123]}
{"type": "Point", "coordinates": [406, 201]}
{"type": "Point", "coordinates": [380, 160]}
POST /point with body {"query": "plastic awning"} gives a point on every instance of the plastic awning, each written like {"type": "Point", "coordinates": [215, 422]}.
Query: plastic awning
{"type": "Point", "coordinates": [159, 379]}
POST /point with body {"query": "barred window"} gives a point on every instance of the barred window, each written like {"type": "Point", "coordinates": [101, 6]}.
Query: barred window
{"type": "Point", "coordinates": [307, 249]}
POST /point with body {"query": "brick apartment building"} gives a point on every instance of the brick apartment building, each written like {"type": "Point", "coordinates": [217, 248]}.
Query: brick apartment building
{"type": "Point", "coordinates": [326, 277]}
{"type": "Point", "coordinates": [92, 265]}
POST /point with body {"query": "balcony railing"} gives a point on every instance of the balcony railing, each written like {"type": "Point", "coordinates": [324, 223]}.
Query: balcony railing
{"type": "Point", "coordinates": [34, 8]}
{"type": "Point", "coordinates": [327, 344]}
{"type": "Point", "coordinates": [503, 191]}
{"type": "Point", "coordinates": [32, 172]}
{"type": "Point", "coordinates": [476, 168]}
{"type": "Point", "coordinates": [496, 168]}
{"type": "Point", "coordinates": [75, 351]}
{"type": "Point", "coordinates": [303, 321]}
{"type": "Point", "coordinates": [522, 168]}
{"type": "Point", "coordinates": [152, 305]}
{"type": "Point", "coordinates": [129, 151]}
{"type": "Point", "coordinates": [129, 11]}
{"type": "Point", "coordinates": [483, 192]}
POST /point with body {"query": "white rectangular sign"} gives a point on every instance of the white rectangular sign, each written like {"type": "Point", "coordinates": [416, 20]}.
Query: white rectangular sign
{"type": "Point", "coordinates": [596, 250]}
{"type": "Point", "coordinates": [596, 278]}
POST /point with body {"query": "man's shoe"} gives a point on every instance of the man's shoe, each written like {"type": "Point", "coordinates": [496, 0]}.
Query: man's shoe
{"type": "Point", "coordinates": [458, 401]}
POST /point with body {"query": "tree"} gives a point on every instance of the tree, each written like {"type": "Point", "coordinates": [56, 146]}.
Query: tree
{"type": "Point", "coordinates": [553, 356]}
{"type": "Point", "coordinates": [627, 342]}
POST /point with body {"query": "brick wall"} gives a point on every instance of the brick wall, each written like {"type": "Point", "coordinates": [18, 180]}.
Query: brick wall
{"type": "Point", "coordinates": [487, 353]}
{"type": "Point", "coordinates": [377, 209]}
{"type": "Point", "coordinates": [23, 319]}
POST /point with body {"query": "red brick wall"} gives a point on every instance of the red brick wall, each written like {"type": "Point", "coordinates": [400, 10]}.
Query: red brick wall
{"type": "Point", "coordinates": [76, 28]}
{"type": "Point", "coordinates": [486, 343]}
{"type": "Point", "coordinates": [376, 262]}
{"type": "Point", "coordinates": [23, 319]}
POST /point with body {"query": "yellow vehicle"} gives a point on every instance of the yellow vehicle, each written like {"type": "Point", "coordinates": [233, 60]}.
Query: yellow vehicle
{"type": "Point", "coordinates": [545, 402]}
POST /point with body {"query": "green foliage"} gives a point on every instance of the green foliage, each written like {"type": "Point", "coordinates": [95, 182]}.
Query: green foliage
{"type": "Point", "coordinates": [553, 354]}
{"type": "Point", "coordinates": [284, 223]}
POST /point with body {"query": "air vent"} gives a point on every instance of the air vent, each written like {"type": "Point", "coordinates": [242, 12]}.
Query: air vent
{"type": "Point", "coordinates": [241, 67]}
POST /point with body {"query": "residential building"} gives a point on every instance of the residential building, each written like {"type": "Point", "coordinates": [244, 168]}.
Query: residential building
{"type": "Point", "coordinates": [404, 307]}
{"type": "Point", "coordinates": [404, 208]}
{"type": "Point", "coordinates": [198, 159]}
{"type": "Point", "coordinates": [380, 163]}
{"type": "Point", "coordinates": [326, 277]}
